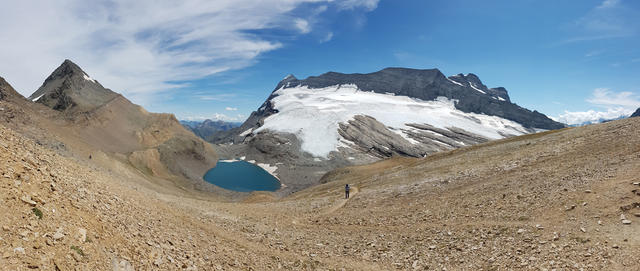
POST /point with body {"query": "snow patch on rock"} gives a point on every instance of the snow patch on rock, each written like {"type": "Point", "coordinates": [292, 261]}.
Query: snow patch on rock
{"type": "Point", "coordinates": [313, 115]}
{"type": "Point", "coordinates": [86, 77]}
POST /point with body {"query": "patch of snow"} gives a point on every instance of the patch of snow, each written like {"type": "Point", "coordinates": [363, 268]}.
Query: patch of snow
{"type": "Point", "coordinates": [405, 136]}
{"type": "Point", "coordinates": [228, 161]}
{"type": "Point", "coordinates": [501, 99]}
{"type": "Point", "coordinates": [455, 82]}
{"type": "Point", "coordinates": [86, 77]}
{"type": "Point", "coordinates": [243, 157]}
{"type": "Point", "coordinates": [351, 158]}
{"type": "Point", "coordinates": [37, 98]}
{"type": "Point", "coordinates": [313, 115]}
{"type": "Point", "coordinates": [245, 133]}
{"type": "Point", "coordinates": [474, 87]}
{"type": "Point", "coordinates": [269, 168]}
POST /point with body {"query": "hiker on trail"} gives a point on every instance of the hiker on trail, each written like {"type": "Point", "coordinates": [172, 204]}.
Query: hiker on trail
{"type": "Point", "coordinates": [346, 191]}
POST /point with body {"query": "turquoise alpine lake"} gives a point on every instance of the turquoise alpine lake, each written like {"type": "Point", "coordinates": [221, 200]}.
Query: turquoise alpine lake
{"type": "Point", "coordinates": [241, 176]}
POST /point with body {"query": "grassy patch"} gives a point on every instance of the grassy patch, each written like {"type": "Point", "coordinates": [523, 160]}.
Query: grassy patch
{"type": "Point", "coordinates": [37, 212]}
{"type": "Point", "coordinates": [78, 250]}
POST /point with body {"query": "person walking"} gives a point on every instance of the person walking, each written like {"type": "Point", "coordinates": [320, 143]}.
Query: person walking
{"type": "Point", "coordinates": [346, 191]}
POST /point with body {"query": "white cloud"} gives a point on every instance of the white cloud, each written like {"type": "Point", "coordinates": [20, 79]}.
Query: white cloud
{"type": "Point", "coordinates": [616, 104]}
{"type": "Point", "coordinates": [610, 19]}
{"type": "Point", "coordinates": [142, 47]}
{"type": "Point", "coordinates": [302, 25]}
{"type": "Point", "coordinates": [215, 97]}
{"type": "Point", "coordinates": [351, 4]}
{"type": "Point", "coordinates": [231, 108]}
{"type": "Point", "coordinates": [604, 97]}
{"type": "Point", "coordinates": [216, 116]}
{"type": "Point", "coordinates": [327, 38]}
{"type": "Point", "coordinates": [608, 4]}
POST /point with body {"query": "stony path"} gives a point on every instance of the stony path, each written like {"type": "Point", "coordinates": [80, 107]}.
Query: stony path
{"type": "Point", "coordinates": [352, 193]}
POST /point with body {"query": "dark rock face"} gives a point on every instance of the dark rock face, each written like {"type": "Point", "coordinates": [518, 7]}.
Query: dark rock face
{"type": "Point", "coordinates": [69, 89]}
{"type": "Point", "coordinates": [636, 114]}
{"type": "Point", "coordinates": [428, 85]}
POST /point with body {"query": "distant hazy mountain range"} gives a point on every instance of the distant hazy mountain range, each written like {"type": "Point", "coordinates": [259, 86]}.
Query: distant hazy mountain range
{"type": "Point", "coordinates": [208, 128]}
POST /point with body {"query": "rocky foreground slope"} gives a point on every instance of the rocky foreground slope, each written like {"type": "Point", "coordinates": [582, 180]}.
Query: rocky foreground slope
{"type": "Point", "coordinates": [308, 127]}
{"type": "Point", "coordinates": [565, 200]}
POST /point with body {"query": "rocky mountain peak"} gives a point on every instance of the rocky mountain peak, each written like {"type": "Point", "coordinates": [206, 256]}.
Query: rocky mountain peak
{"type": "Point", "coordinates": [6, 89]}
{"type": "Point", "coordinates": [425, 84]}
{"type": "Point", "coordinates": [70, 89]}
{"type": "Point", "coordinates": [636, 114]}
{"type": "Point", "coordinates": [475, 80]}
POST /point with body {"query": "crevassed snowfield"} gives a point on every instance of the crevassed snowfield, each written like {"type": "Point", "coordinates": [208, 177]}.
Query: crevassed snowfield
{"type": "Point", "coordinates": [313, 115]}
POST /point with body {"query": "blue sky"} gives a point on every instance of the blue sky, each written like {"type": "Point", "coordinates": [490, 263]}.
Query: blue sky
{"type": "Point", "coordinates": [572, 60]}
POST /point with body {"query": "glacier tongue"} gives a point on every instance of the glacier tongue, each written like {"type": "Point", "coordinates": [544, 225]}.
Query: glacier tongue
{"type": "Point", "coordinates": [313, 115]}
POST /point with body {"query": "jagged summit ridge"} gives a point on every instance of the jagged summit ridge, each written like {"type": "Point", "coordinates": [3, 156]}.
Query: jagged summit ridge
{"type": "Point", "coordinates": [636, 114]}
{"type": "Point", "coordinates": [429, 84]}
{"type": "Point", "coordinates": [70, 89]}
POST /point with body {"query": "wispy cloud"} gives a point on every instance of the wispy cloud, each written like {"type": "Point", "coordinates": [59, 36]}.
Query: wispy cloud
{"type": "Point", "coordinates": [231, 108]}
{"type": "Point", "coordinates": [215, 97]}
{"type": "Point", "coordinates": [610, 19]}
{"type": "Point", "coordinates": [327, 37]}
{"type": "Point", "coordinates": [302, 25]}
{"type": "Point", "coordinates": [594, 53]}
{"type": "Point", "coordinates": [352, 4]}
{"type": "Point", "coordinates": [608, 4]}
{"type": "Point", "coordinates": [216, 116]}
{"type": "Point", "coordinates": [145, 46]}
{"type": "Point", "coordinates": [615, 105]}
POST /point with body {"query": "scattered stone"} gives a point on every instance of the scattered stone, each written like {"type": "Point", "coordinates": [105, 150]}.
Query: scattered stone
{"type": "Point", "coordinates": [82, 235]}
{"type": "Point", "coordinates": [623, 217]}
{"type": "Point", "coordinates": [5, 228]}
{"type": "Point", "coordinates": [588, 191]}
{"type": "Point", "coordinates": [626, 222]}
{"type": "Point", "coordinates": [583, 229]}
{"type": "Point", "coordinates": [158, 262]}
{"type": "Point", "coordinates": [19, 250]}
{"type": "Point", "coordinates": [571, 207]}
{"type": "Point", "coordinates": [520, 231]}
{"type": "Point", "coordinates": [637, 214]}
{"type": "Point", "coordinates": [27, 199]}
{"type": "Point", "coordinates": [539, 227]}
{"type": "Point", "coordinates": [121, 265]}
{"type": "Point", "coordinates": [615, 246]}
{"type": "Point", "coordinates": [58, 235]}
